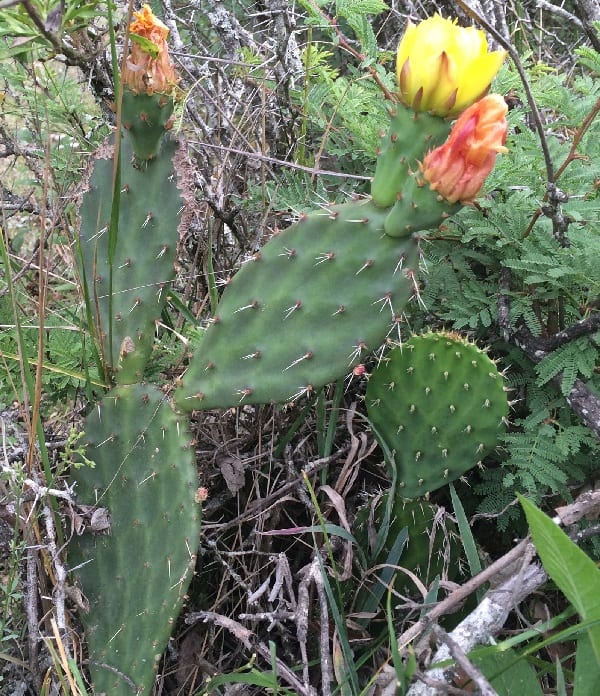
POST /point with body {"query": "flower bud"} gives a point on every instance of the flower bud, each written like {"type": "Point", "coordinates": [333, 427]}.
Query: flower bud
{"type": "Point", "coordinates": [458, 168]}
{"type": "Point", "coordinates": [444, 68]}
{"type": "Point", "coordinates": [148, 68]}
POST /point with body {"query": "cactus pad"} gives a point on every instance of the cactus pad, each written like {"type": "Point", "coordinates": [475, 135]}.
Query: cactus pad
{"type": "Point", "coordinates": [125, 303]}
{"type": "Point", "coordinates": [135, 577]}
{"type": "Point", "coordinates": [417, 208]}
{"type": "Point", "coordinates": [310, 305]}
{"type": "Point", "coordinates": [439, 404]}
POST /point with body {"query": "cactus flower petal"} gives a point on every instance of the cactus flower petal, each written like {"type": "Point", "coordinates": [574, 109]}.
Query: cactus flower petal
{"type": "Point", "coordinates": [148, 68]}
{"type": "Point", "coordinates": [458, 168]}
{"type": "Point", "coordinates": [444, 68]}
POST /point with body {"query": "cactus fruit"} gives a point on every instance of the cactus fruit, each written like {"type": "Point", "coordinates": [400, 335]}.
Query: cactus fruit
{"type": "Point", "coordinates": [409, 137]}
{"type": "Point", "coordinates": [439, 404]}
{"type": "Point", "coordinates": [135, 577]}
{"type": "Point", "coordinates": [125, 272]}
{"type": "Point", "coordinates": [311, 304]}
{"type": "Point", "coordinates": [433, 548]}
{"type": "Point", "coordinates": [417, 208]}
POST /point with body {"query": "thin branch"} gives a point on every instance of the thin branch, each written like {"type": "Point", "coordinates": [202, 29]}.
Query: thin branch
{"type": "Point", "coordinates": [485, 621]}
{"type": "Point", "coordinates": [560, 12]}
{"type": "Point", "coordinates": [587, 122]}
{"type": "Point", "coordinates": [584, 403]}
{"type": "Point", "coordinates": [345, 43]}
{"type": "Point", "coordinates": [512, 578]}
{"type": "Point", "coordinates": [590, 12]}
{"type": "Point", "coordinates": [584, 327]}
{"type": "Point", "coordinates": [73, 57]}
{"type": "Point", "coordinates": [256, 508]}
{"type": "Point", "coordinates": [462, 661]}
{"type": "Point", "coordinates": [514, 54]}
{"type": "Point", "coordinates": [283, 163]}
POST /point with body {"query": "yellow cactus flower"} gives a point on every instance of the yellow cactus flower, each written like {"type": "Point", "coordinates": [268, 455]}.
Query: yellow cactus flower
{"type": "Point", "coordinates": [444, 68]}
{"type": "Point", "coordinates": [148, 68]}
{"type": "Point", "coordinates": [458, 168]}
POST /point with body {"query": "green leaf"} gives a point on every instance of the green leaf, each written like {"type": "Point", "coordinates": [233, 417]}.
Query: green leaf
{"type": "Point", "coordinates": [360, 7]}
{"type": "Point", "coordinates": [575, 573]}
{"type": "Point", "coordinates": [507, 673]}
{"type": "Point", "coordinates": [466, 534]}
{"type": "Point", "coordinates": [146, 45]}
{"type": "Point", "coordinates": [587, 681]}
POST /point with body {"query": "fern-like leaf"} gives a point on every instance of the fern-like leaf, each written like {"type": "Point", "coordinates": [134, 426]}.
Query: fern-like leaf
{"type": "Point", "coordinates": [572, 359]}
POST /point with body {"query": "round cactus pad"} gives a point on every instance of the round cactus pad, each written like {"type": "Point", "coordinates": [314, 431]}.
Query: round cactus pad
{"type": "Point", "coordinates": [438, 403]}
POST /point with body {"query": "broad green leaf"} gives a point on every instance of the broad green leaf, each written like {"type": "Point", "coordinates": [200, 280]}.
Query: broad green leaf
{"type": "Point", "coordinates": [508, 674]}
{"type": "Point", "coordinates": [575, 574]}
{"type": "Point", "coordinates": [587, 679]}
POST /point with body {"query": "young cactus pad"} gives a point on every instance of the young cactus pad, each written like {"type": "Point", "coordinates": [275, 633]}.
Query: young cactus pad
{"type": "Point", "coordinates": [135, 575]}
{"type": "Point", "coordinates": [439, 404]}
{"type": "Point", "coordinates": [124, 274]}
{"type": "Point", "coordinates": [310, 305]}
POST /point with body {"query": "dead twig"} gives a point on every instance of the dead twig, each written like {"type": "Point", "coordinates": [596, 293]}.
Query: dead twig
{"type": "Point", "coordinates": [312, 574]}
{"type": "Point", "coordinates": [248, 639]}
{"type": "Point", "coordinates": [462, 661]}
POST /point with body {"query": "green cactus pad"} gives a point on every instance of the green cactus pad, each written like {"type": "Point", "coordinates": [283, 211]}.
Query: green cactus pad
{"type": "Point", "coordinates": [146, 118]}
{"type": "Point", "coordinates": [313, 303]}
{"type": "Point", "coordinates": [152, 208]}
{"type": "Point", "coordinates": [439, 404]}
{"type": "Point", "coordinates": [410, 136]}
{"type": "Point", "coordinates": [136, 575]}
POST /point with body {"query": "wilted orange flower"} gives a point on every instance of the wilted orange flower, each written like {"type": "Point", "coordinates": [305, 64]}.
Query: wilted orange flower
{"type": "Point", "coordinates": [148, 67]}
{"type": "Point", "coordinates": [444, 68]}
{"type": "Point", "coordinates": [458, 168]}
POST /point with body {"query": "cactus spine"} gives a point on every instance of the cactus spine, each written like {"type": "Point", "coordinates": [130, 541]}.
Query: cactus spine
{"type": "Point", "coordinates": [439, 403]}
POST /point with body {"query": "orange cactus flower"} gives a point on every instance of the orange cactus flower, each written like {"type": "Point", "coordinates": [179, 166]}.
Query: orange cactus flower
{"type": "Point", "coordinates": [148, 68]}
{"type": "Point", "coordinates": [458, 168]}
{"type": "Point", "coordinates": [444, 68]}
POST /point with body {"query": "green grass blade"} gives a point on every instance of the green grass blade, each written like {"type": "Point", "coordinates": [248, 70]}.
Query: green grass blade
{"type": "Point", "coordinates": [467, 538]}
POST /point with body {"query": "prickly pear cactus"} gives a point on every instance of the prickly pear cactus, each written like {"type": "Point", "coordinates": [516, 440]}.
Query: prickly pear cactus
{"type": "Point", "coordinates": [136, 575]}
{"type": "Point", "coordinates": [439, 404]}
{"type": "Point", "coordinates": [311, 304]}
{"type": "Point", "coordinates": [433, 548]}
{"type": "Point", "coordinates": [125, 273]}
